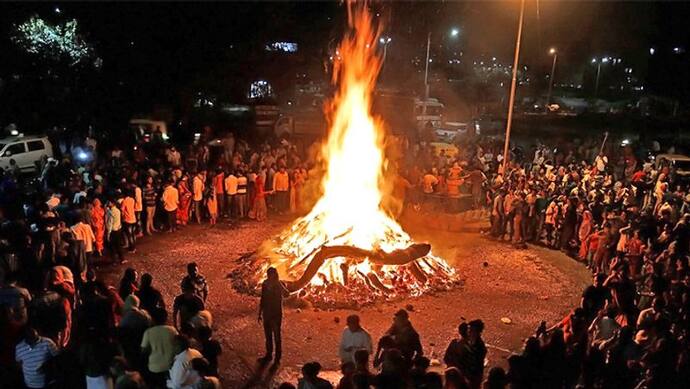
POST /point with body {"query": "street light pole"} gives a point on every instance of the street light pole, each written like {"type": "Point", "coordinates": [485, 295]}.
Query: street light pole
{"type": "Point", "coordinates": [426, 74]}
{"type": "Point", "coordinates": [596, 83]}
{"type": "Point", "coordinates": [553, 71]}
{"type": "Point", "coordinates": [513, 85]}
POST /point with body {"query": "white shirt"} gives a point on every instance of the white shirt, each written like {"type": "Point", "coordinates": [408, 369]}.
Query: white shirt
{"type": "Point", "coordinates": [354, 341]}
{"type": "Point", "coordinates": [83, 232]}
{"type": "Point", "coordinates": [181, 376]}
{"type": "Point", "coordinates": [198, 188]}
{"type": "Point", "coordinates": [230, 184]}
{"type": "Point", "coordinates": [601, 162]}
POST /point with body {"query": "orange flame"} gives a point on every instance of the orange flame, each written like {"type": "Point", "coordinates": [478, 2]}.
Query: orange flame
{"type": "Point", "coordinates": [349, 211]}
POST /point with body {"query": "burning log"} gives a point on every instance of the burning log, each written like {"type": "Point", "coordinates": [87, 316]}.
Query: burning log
{"type": "Point", "coordinates": [395, 257]}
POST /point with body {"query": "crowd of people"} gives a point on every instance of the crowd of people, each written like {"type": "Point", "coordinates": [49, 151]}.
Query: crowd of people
{"type": "Point", "coordinates": [62, 326]}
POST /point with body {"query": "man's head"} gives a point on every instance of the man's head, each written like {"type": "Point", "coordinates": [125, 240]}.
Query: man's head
{"type": "Point", "coordinates": [475, 329]}
{"type": "Point", "coordinates": [181, 343]}
{"type": "Point", "coordinates": [31, 335]}
{"type": "Point", "coordinates": [187, 287]}
{"type": "Point", "coordinates": [362, 358]}
{"type": "Point", "coordinates": [462, 329]}
{"type": "Point", "coordinates": [146, 280]}
{"type": "Point", "coordinates": [311, 369]}
{"type": "Point", "coordinates": [421, 363]}
{"type": "Point", "coordinates": [353, 323]}
{"type": "Point", "coordinates": [401, 317]}
{"type": "Point", "coordinates": [272, 274]}
{"type": "Point", "coordinates": [192, 269]}
{"type": "Point", "coordinates": [347, 368]}
{"type": "Point", "coordinates": [159, 316]}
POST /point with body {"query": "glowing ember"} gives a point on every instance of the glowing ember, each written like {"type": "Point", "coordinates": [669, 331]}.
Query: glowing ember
{"type": "Point", "coordinates": [349, 213]}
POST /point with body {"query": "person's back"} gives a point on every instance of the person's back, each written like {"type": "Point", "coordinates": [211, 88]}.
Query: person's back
{"type": "Point", "coordinates": [150, 298]}
{"type": "Point", "coordinates": [159, 341]}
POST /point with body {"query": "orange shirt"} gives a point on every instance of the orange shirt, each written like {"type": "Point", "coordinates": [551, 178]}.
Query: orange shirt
{"type": "Point", "coordinates": [128, 214]}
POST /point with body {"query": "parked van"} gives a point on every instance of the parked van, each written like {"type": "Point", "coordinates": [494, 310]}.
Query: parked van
{"type": "Point", "coordinates": [25, 150]}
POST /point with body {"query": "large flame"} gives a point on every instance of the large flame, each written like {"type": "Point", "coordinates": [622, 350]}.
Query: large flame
{"type": "Point", "coordinates": [350, 210]}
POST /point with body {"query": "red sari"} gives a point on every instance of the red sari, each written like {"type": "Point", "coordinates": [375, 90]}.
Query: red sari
{"type": "Point", "coordinates": [260, 210]}
{"type": "Point", "coordinates": [98, 224]}
{"type": "Point", "coordinates": [185, 202]}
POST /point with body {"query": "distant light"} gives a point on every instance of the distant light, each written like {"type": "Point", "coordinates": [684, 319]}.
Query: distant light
{"type": "Point", "coordinates": [454, 32]}
{"type": "Point", "coordinates": [605, 60]}
{"type": "Point", "coordinates": [678, 50]}
{"type": "Point", "coordinates": [594, 60]}
{"type": "Point", "coordinates": [385, 39]}
{"type": "Point", "coordinates": [83, 156]}
{"type": "Point", "coordinates": [286, 47]}
{"type": "Point", "coordinates": [14, 132]}
{"type": "Point", "coordinates": [552, 51]}
{"type": "Point", "coordinates": [493, 59]}
{"type": "Point", "coordinates": [431, 60]}
{"type": "Point", "coordinates": [651, 51]}
{"type": "Point", "coordinates": [58, 10]}
{"type": "Point", "coordinates": [625, 142]}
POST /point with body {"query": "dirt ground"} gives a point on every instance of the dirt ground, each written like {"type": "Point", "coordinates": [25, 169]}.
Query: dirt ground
{"type": "Point", "coordinates": [525, 286]}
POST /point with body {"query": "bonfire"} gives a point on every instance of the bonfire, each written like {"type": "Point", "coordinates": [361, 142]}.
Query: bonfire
{"type": "Point", "coordinates": [348, 250]}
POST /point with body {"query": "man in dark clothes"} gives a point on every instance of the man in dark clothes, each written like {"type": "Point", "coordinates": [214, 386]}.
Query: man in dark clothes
{"type": "Point", "coordinates": [405, 336]}
{"type": "Point", "coordinates": [271, 312]}
{"type": "Point", "coordinates": [150, 298]}
{"type": "Point", "coordinates": [188, 304]}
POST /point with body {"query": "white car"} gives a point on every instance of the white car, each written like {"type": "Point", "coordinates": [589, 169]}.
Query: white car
{"type": "Point", "coordinates": [25, 151]}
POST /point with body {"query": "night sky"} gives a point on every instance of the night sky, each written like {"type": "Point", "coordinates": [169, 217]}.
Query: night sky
{"type": "Point", "coordinates": [153, 52]}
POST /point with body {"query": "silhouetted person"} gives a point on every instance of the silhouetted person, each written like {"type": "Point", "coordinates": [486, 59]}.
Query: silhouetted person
{"type": "Point", "coordinates": [271, 312]}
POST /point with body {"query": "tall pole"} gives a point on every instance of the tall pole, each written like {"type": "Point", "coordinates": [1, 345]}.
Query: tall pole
{"type": "Point", "coordinates": [553, 71]}
{"type": "Point", "coordinates": [426, 70]}
{"type": "Point", "coordinates": [513, 85]}
{"type": "Point", "coordinates": [596, 83]}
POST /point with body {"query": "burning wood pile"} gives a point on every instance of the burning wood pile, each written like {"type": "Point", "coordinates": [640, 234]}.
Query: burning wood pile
{"type": "Point", "coordinates": [348, 251]}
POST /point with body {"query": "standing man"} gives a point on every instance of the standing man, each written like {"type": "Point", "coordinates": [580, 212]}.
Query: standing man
{"type": "Point", "coordinates": [405, 336]}
{"type": "Point", "coordinates": [150, 197]}
{"type": "Point", "coordinates": [129, 218]}
{"type": "Point", "coordinates": [84, 233]}
{"type": "Point", "coordinates": [354, 338]}
{"type": "Point", "coordinates": [281, 187]}
{"type": "Point", "coordinates": [230, 193]}
{"type": "Point", "coordinates": [271, 312]}
{"type": "Point", "coordinates": [196, 280]}
{"type": "Point", "coordinates": [219, 186]}
{"type": "Point", "coordinates": [170, 200]}
{"type": "Point", "coordinates": [241, 195]}
{"type": "Point", "coordinates": [113, 231]}
{"type": "Point", "coordinates": [198, 187]}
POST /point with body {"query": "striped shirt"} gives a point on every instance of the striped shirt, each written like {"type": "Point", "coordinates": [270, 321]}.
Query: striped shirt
{"type": "Point", "coordinates": [32, 359]}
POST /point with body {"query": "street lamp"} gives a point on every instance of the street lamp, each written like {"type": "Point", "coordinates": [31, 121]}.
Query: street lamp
{"type": "Point", "coordinates": [384, 40]}
{"type": "Point", "coordinates": [553, 52]}
{"type": "Point", "coordinates": [454, 32]}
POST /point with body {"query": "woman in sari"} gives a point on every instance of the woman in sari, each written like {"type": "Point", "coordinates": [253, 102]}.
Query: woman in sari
{"type": "Point", "coordinates": [185, 201]}
{"type": "Point", "coordinates": [260, 210]}
{"type": "Point", "coordinates": [583, 233]}
{"type": "Point", "coordinates": [98, 224]}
